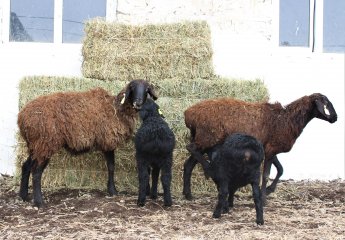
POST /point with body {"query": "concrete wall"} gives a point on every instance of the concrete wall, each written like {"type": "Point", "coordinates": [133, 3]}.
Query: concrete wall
{"type": "Point", "coordinates": [244, 37]}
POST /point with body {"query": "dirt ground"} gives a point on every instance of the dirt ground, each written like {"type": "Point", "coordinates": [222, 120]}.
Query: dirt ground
{"type": "Point", "coordinates": [298, 210]}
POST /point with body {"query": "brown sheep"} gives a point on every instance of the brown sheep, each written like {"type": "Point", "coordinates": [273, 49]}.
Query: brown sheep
{"type": "Point", "coordinates": [277, 127]}
{"type": "Point", "coordinates": [78, 121]}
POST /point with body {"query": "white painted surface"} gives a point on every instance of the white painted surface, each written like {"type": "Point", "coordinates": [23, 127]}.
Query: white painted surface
{"type": "Point", "coordinates": [243, 38]}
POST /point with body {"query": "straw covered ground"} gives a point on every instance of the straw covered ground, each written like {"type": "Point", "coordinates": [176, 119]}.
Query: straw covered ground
{"type": "Point", "coordinates": [116, 51]}
{"type": "Point", "coordinates": [89, 169]}
{"type": "Point", "coordinates": [298, 210]}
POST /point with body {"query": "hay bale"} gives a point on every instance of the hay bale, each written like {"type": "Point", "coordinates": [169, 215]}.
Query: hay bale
{"type": "Point", "coordinates": [89, 169]}
{"type": "Point", "coordinates": [114, 51]}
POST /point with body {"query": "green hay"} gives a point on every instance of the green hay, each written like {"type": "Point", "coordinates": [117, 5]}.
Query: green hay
{"type": "Point", "coordinates": [114, 51]}
{"type": "Point", "coordinates": [89, 169]}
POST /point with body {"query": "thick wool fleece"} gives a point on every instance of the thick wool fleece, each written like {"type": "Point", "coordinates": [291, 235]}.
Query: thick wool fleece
{"type": "Point", "coordinates": [78, 121]}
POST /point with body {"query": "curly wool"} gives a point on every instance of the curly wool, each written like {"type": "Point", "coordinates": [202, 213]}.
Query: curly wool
{"type": "Point", "coordinates": [78, 121]}
{"type": "Point", "coordinates": [277, 127]}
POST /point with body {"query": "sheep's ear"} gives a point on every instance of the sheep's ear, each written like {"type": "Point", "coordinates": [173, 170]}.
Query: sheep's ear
{"type": "Point", "coordinates": [322, 107]}
{"type": "Point", "coordinates": [123, 99]}
{"type": "Point", "coordinates": [152, 92]}
{"type": "Point", "coordinates": [160, 113]}
{"type": "Point", "coordinates": [126, 95]}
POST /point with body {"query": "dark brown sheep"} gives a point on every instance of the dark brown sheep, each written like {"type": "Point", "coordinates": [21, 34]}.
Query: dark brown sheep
{"type": "Point", "coordinates": [277, 127]}
{"type": "Point", "coordinates": [78, 121]}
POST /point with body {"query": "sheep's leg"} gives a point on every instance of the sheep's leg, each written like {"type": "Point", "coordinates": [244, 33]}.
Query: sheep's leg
{"type": "Point", "coordinates": [265, 175]}
{"type": "Point", "coordinates": [37, 170]}
{"type": "Point", "coordinates": [155, 175]}
{"type": "Point", "coordinates": [258, 203]}
{"type": "Point", "coordinates": [187, 174]}
{"type": "Point", "coordinates": [232, 191]}
{"type": "Point", "coordinates": [110, 158]}
{"type": "Point", "coordinates": [143, 176]}
{"type": "Point", "coordinates": [24, 183]}
{"type": "Point", "coordinates": [222, 194]}
{"type": "Point", "coordinates": [148, 189]}
{"type": "Point", "coordinates": [166, 182]}
{"type": "Point", "coordinates": [270, 189]}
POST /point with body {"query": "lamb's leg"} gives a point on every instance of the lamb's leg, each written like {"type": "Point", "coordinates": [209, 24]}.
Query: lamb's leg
{"type": "Point", "coordinates": [222, 194]}
{"type": "Point", "coordinates": [110, 158]}
{"type": "Point", "coordinates": [148, 189]}
{"type": "Point", "coordinates": [187, 174]}
{"type": "Point", "coordinates": [155, 175]}
{"type": "Point", "coordinates": [232, 191]}
{"type": "Point", "coordinates": [270, 189]}
{"type": "Point", "coordinates": [24, 183]}
{"type": "Point", "coordinates": [37, 170]}
{"type": "Point", "coordinates": [258, 202]}
{"type": "Point", "coordinates": [166, 182]}
{"type": "Point", "coordinates": [143, 176]}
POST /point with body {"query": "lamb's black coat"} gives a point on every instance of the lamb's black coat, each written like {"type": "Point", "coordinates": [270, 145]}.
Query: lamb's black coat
{"type": "Point", "coordinates": [154, 144]}
{"type": "Point", "coordinates": [234, 164]}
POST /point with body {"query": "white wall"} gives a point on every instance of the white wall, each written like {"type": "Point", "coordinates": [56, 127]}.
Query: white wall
{"type": "Point", "coordinates": [21, 59]}
{"type": "Point", "coordinates": [243, 34]}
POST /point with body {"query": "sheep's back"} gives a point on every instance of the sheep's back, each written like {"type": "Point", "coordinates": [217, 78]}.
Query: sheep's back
{"type": "Point", "coordinates": [154, 137]}
{"type": "Point", "coordinates": [78, 121]}
{"type": "Point", "coordinates": [212, 120]}
{"type": "Point", "coordinates": [239, 158]}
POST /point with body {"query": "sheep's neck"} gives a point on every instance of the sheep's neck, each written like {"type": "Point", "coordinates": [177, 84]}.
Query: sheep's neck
{"type": "Point", "coordinates": [290, 124]}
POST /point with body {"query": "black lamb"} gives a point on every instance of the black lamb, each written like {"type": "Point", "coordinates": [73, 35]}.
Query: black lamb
{"type": "Point", "coordinates": [154, 144]}
{"type": "Point", "coordinates": [232, 165]}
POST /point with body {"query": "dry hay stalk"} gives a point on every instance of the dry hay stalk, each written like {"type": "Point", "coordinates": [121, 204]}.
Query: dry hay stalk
{"type": "Point", "coordinates": [175, 95]}
{"type": "Point", "coordinates": [114, 51]}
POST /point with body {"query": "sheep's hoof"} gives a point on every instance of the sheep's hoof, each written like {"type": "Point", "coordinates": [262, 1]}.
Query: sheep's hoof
{"type": "Point", "coordinates": [112, 192]}
{"type": "Point", "coordinates": [269, 190]}
{"type": "Point", "coordinates": [140, 204]}
{"type": "Point", "coordinates": [154, 196]}
{"type": "Point", "coordinates": [39, 204]}
{"type": "Point", "coordinates": [168, 203]}
{"type": "Point", "coordinates": [188, 196]}
{"type": "Point", "coordinates": [260, 222]}
{"type": "Point", "coordinates": [226, 210]}
{"type": "Point", "coordinates": [216, 215]}
{"type": "Point", "coordinates": [24, 197]}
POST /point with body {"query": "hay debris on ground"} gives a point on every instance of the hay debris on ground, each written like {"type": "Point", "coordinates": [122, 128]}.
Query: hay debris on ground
{"type": "Point", "coordinates": [115, 51]}
{"type": "Point", "coordinates": [297, 210]}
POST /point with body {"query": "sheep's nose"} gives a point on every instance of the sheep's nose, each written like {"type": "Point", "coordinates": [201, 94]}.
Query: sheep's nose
{"type": "Point", "coordinates": [137, 104]}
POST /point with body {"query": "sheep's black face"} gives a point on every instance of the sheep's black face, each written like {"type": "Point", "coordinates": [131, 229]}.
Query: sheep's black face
{"type": "Point", "coordinates": [149, 108]}
{"type": "Point", "coordinates": [325, 109]}
{"type": "Point", "coordinates": [137, 91]}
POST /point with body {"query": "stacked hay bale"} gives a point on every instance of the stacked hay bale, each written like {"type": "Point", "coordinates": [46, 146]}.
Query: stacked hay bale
{"type": "Point", "coordinates": [178, 87]}
{"type": "Point", "coordinates": [120, 52]}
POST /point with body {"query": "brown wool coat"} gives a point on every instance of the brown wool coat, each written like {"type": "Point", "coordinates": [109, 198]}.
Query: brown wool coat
{"type": "Point", "coordinates": [76, 120]}
{"type": "Point", "coordinates": [277, 127]}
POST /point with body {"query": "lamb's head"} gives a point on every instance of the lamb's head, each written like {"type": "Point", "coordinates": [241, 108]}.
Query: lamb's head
{"type": "Point", "coordinates": [150, 108]}
{"type": "Point", "coordinates": [136, 93]}
{"type": "Point", "coordinates": [324, 108]}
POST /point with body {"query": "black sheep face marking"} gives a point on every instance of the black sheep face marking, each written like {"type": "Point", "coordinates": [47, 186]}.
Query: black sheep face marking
{"type": "Point", "coordinates": [325, 109]}
{"type": "Point", "coordinates": [136, 93]}
{"type": "Point", "coordinates": [149, 108]}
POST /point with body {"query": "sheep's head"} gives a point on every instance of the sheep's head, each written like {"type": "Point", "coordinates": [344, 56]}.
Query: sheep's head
{"type": "Point", "coordinates": [150, 108]}
{"type": "Point", "coordinates": [325, 109]}
{"type": "Point", "coordinates": [136, 93]}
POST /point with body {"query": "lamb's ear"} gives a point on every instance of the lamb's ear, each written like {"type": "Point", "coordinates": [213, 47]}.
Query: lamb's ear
{"type": "Point", "coordinates": [322, 107]}
{"type": "Point", "coordinates": [152, 92]}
